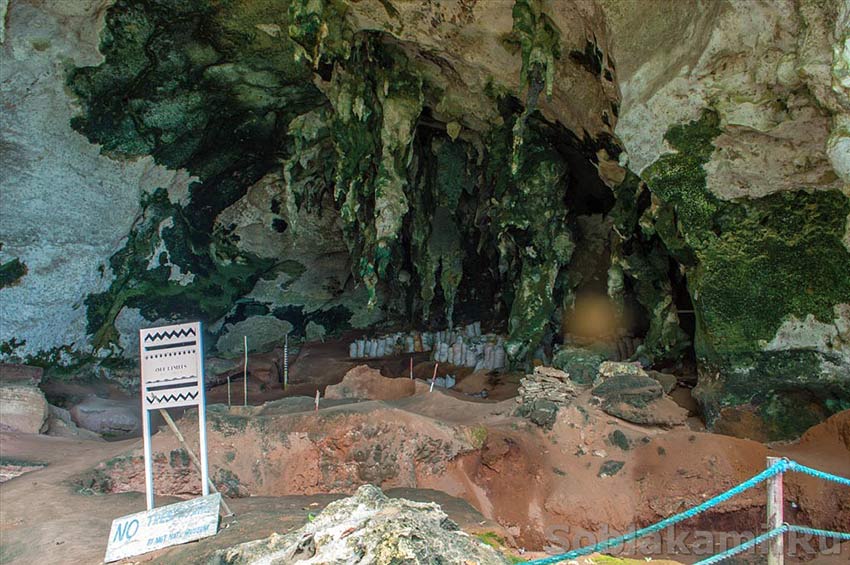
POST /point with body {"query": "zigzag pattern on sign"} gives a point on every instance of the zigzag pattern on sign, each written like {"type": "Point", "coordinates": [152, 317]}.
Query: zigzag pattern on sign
{"type": "Point", "coordinates": [163, 335]}
{"type": "Point", "coordinates": [152, 398]}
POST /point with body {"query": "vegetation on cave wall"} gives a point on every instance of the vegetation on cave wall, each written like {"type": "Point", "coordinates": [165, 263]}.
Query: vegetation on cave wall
{"type": "Point", "coordinates": [640, 257]}
{"type": "Point", "coordinates": [214, 87]}
{"type": "Point", "coordinates": [752, 263]}
{"type": "Point", "coordinates": [757, 261]}
{"type": "Point", "coordinates": [381, 178]}
{"type": "Point", "coordinates": [197, 85]}
{"type": "Point", "coordinates": [11, 271]}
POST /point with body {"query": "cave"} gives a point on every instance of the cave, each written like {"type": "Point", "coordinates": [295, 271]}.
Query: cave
{"type": "Point", "coordinates": [439, 246]}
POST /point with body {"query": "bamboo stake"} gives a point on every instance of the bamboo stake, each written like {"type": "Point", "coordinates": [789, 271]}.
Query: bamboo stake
{"type": "Point", "coordinates": [194, 458]}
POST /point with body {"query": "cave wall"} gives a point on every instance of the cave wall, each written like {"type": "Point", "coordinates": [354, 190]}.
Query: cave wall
{"type": "Point", "coordinates": [736, 119]}
{"type": "Point", "coordinates": [274, 166]}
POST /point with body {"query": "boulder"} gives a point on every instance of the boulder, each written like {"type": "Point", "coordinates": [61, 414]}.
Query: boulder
{"type": "Point", "coordinates": [16, 372]}
{"type": "Point", "coordinates": [638, 399]}
{"type": "Point", "coordinates": [363, 382]}
{"type": "Point", "coordinates": [667, 381]}
{"type": "Point", "coordinates": [115, 418]}
{"type": "Point", "coordinates": [60, 424]}
{"type": "Point", "coordinates": [23, 407]}
{"type": "Point", "coordinates": [542, 412]}
{"type": "Point", "coordinates": [635, 390]}
{"type": "Point", "coordinates": [581, 364]}
{"type": "Point", "coordinates": [368, 528]}
{"type": "Point", "coordinates": [659, 412]}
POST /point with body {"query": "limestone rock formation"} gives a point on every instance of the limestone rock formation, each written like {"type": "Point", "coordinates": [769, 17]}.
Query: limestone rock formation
{"type": "Point", "coordinates": [368, 528]}
{"type": "Point", "coordinates": [364, 383]}
{"type": "Point", "coordinates": [23, 407]}
{"type": "Point", "coordinates": [544, 392]}
{"type": "Point", "coordinates": [332, 164]}
{"type": "Point", "coordinates": [60, 424]}
{"type": "Point", "coordinates": [112, 418]}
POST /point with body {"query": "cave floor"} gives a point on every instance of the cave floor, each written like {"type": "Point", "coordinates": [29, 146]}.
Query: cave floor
{"type": "Point", "coordinates": [43, 514]}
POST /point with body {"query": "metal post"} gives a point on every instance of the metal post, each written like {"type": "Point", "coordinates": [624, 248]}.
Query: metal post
{"type": "Point", "coordinates": [775, 515]}
{"type": "Point", "coordinates": [202, 417]}
{"type": "Point", "coordinates": [146, 434]}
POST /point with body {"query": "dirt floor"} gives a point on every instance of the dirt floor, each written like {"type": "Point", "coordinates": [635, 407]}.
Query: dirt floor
{"type": "Point", "coordinates": [590, 477]}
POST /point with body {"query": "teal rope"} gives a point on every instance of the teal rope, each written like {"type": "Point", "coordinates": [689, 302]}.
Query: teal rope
{"type": "Point", "coordinates": [745, 546]}
{"type": "Point", "coordinates": [819, 533]}
{"type": "Point", "coordinates": [775, 469]}
{"type": "Point", "coordinates": [796, 467]}
{"type": "Point", "coordinates": [770, 535]}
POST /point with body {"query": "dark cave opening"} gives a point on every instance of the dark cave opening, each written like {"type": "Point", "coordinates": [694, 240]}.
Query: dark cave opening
{"type": "Point", "coordinates": [585, 314]}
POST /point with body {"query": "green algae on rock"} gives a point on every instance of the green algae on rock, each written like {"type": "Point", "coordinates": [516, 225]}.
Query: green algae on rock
{"type": "Point", "coordinates": [11, 272]}
{"type": "Point", "coordinates": [755, 263]}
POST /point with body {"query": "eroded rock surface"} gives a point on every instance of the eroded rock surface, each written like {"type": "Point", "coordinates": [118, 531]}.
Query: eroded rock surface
{"type": "Point", "coordinates": [386, 160]}
{"type": "Point", "coordinates": [368, 528]}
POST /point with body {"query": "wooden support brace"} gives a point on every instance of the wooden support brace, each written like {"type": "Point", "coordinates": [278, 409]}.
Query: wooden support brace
{"type": "Point", "coordinates": [167, 417]}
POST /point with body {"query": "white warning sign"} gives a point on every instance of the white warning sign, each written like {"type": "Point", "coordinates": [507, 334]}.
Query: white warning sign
{"type": "Point", "coordinates": [163, 527]}
{"type": "Point", "coordinates": [172, 373]}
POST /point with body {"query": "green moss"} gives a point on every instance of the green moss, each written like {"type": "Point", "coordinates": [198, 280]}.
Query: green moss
{"type": "Point", "coordinates": [479, 436]}
{"type": "Point", "coordinates": [776, 256]}
{"type": "Point", "coordinates": [11, 272]}
{"type": "Point", "coordinates": [11, 461]}
{"type": "Point", "coordinates": [178, 458]}
{"type": "Point", "coordinates": [221, 275]}
{"type": "Point", "coordinates": [539, 41]}
{"type": "Point", "coordinates": [750, 265]}
{"type": "Point", "coordinates": [225, 423]}
{"type": "Point", "coordinates": [758, 260]}
{"type": "Point", "coordinates": [228, 483]}
{"type": "Point", "coordinates": [530, 217]}
{"type": "Point", "coordinates": [197, 85]}
{"type": "Point", "coordinates": [492, 539]}
{"type": "Point", "coordinates": [318, 27]}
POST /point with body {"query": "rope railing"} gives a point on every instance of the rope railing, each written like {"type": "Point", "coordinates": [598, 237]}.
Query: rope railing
{"type": "Point", "coordinates": [780, 467]}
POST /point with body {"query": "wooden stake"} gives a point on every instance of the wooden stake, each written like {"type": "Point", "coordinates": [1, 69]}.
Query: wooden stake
{"type": "Point", "coordinates": [775, 515]}
{"type": "Point", "coordinates": [228, 391]}
{"type": "Point", "coordinates": [434, 378]}
{"type": "Point", "coordinates": [411, 368]}
{"type": "Point", "coordinates": [317, 400]}
{"type": "Point", "coordinates": [194, 458]}
{"type": "Point", "coordinates": [245, 374]}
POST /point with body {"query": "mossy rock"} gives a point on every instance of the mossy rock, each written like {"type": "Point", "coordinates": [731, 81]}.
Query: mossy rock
{"type": "Point", "coordinates": [635, 390]}
{"type": "Point", "coordinates": [544, 413]}
{"type": "Point", "coordinates": [581, 364]}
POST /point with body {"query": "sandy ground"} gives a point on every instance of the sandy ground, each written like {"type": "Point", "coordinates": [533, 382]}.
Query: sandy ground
{"type": "Point", "coordinates": [45, 519]}
{"type": "Point", "coordinates": [491, 471]}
